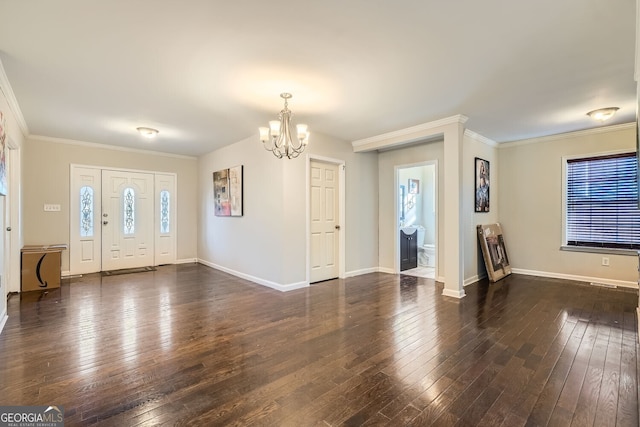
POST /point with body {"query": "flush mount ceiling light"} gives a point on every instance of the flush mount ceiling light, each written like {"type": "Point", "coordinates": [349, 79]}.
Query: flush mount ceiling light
{"type": "Point", "coordinates": [603, 113]}
{"type": "Point", "coordinates": [277, 137]}
{"type": "Point", "coordinates": [148, 132]}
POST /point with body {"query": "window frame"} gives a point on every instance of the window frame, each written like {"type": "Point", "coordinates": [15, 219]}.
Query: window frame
{"type": "Point", "coordinates": [592, 249]}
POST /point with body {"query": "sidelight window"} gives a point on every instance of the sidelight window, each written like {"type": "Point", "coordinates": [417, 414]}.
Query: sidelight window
{"type": "Point", "coordinates": [164, 212]}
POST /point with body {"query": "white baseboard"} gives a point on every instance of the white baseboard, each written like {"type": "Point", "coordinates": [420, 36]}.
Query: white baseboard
{"type": "Point", "coordinates": [386, 270]}
{"type": "Point", "coordinates": [3, 321]}
{"type": "Point", "coordinates": [361, 272]}
{"type": "Point", "coordinates": [186, 261]}
{"type": "Point", "coordinates": [621, 283]}
{"type": "Point", "coordinates": [259, 281]}
{"type": "Point", "coordinates": [65, 273]}
{"type": "Point", "coordinates": [455, 294]}
{"type": "Point", "coordinates": [473, 279]}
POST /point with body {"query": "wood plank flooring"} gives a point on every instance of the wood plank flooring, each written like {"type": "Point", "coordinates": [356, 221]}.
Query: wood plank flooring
{"type": "Point", "coordinates": [190, 345]}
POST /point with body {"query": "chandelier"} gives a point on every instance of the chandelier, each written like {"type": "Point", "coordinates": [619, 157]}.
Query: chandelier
{"type": "Point", "coordinates": [277, 137]}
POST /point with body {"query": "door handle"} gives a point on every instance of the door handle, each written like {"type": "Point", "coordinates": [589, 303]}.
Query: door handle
{"type": "Point", "coordinates": [105, 222]}
{"type": "Point", "coordinates": [337, 227]}
{"type": "Point", "coordinates": [8, 228]}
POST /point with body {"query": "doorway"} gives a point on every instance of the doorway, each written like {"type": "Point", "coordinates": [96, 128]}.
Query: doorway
{"type": "Point", "coordinates": [417, 219]}
{"type": "Point", "coordinates": [121, 219]}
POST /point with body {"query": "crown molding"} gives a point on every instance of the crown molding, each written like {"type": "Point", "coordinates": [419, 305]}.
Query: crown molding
{"type": "Point", "coordinates": [7, 90]}
{"type": "Point", "coordinates": [106, 147]}
{"type": "Point", "coordinates": [576, 134]}
{"type": "Point", "coordinates": [423, 129]}
{"type": "Point", "coordinates": [477, 137]}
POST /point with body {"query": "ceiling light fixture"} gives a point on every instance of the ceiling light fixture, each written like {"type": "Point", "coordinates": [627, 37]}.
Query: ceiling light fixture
{"type": "Point", "coordinates": [603, 113]}
{"type": "Point", "coordinates": [148, 132]}
{"type": "Point", "coordinates": [277, 137]}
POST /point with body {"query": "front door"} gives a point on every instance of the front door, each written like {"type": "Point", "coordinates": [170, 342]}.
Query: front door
{"type": "Point", "coordinates": [324, 221]}
{"type": "Point", "coordinates": [127, 219]}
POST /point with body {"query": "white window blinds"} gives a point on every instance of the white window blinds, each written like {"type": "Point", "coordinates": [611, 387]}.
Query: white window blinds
{"type": "Point", "coordinates": [602, 202]}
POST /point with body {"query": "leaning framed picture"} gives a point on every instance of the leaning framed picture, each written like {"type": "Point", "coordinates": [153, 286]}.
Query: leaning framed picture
{"type": "Point", "coordinates": [494, 251]}
{"type": "Point", "coordinates": [228, 191]}
{"type": "Point", "coordinates": [481, 200]}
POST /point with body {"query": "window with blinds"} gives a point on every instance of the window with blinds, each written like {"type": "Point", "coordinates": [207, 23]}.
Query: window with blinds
{"type": "Point", "coordinates": [602, 202]}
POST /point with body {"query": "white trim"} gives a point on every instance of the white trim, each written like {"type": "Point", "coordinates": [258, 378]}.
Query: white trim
{"type": "Point", "coordinates": [479, 138]}
{"type": "Point", "coordinates": [416, 132]}
{"type": "Point", "coordinates": [587, 279]}
{"type": "Point", "coordinates": [341, 212]}
{"type": "Point", "coordinates": [106, 147]}
{"type": "Point", "coordinates": [473, 279]}
{"type": "Point", "coordinates": [3, 321]}
{"type": "Point", "coordinates": [67, 273]}
{"type": "Point", "coordinates": [387, 270]}
{"type": "Point", "coordinates": [360, 272]}
{"type": "Point", "coordinates": [636, 71]}
{"type": "Point", "coordinates": [76, 165]}
{"type": "Point", "coordinates": [455, 294]}
{"type": "Point", "coordinates": [7, 90]}
{"type": "Point", "coordinates": [259, 281]}
{"type": "Point", "coordinates": [576, 134]}
{"type": "Point", "coordinates": [186, 261]}
{"type": "Point", "coordinates": [440, 279]}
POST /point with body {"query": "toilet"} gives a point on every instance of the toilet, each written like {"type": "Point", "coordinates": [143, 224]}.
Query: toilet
{"type": "Point", "coordinates": [426, 253]}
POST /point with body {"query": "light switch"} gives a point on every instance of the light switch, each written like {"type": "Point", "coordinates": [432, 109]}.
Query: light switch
{"type": "Point", "coordinates": [51, 208]}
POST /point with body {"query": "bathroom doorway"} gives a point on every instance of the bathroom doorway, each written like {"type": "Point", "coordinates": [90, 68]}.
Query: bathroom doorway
{"type": "Point", "coordinates": [417, 225]}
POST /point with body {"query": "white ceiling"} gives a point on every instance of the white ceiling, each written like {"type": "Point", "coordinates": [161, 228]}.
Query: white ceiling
{"type": "Point", "coordinates": [208, 73]}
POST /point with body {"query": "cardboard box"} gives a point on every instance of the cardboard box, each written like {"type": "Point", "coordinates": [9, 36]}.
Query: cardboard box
{"type": "Point", "coordinates": [40, 267]}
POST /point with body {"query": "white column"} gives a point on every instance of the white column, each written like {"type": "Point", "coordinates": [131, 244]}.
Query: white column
{"type": "Point", "coordinates": [453, 235]}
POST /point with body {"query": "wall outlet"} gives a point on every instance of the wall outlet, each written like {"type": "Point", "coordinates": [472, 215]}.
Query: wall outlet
{"type": "Point", "coordinates": [605, 261]}
{"type": "Point", "coordinates": [51, 208]}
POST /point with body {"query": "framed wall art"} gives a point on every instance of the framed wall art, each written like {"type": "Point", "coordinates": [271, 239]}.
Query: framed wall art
{"type": "Point", "coordinates": [414, 186]}
{"type": "Point", "coordinates": [494, 251]}
{"type": "Point", "coordinates": [227, 191]}
{"type": "Point", "coordinates": [481, 201]}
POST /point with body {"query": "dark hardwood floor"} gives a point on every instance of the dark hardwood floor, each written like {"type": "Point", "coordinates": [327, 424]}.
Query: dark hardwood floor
{"type": "Point", "coordinates": [189, 345]}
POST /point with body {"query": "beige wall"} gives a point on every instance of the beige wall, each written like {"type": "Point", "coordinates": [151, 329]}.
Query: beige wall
{"type": "Point", "coordinates": [46, 180]}
{"type": "Point", "coordinates": [473, 147]}
{"type": "Point", "coordinates": [269, 243]}
{"type": "Point", "coordinates": [530, 199]}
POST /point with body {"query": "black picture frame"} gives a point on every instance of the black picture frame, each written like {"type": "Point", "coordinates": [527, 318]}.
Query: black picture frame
{"type": "Point", "coordinates": [481, 197]}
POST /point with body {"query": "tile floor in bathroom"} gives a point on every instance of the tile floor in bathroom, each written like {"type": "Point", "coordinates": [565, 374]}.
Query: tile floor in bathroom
{"type": "Point", "coordinates": [426, 272]}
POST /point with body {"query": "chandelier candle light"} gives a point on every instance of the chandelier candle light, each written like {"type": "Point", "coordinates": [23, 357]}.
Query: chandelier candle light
{"type": "Point", "coordinates": [277, 137]}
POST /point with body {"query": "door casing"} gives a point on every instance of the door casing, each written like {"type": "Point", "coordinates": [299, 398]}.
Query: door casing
{"type": "Point", "coordinates": [341, 212]}
{"type": "Point", "coordinates": [169, 246]}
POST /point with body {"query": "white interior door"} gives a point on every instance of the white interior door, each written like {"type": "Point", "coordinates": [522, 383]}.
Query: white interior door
{"type": "Point", "coordinates": [324, 221]}
{"type": "Point", "coordinates": [85, 247]}
{"type": "Point", "coordinates": [127, 219]}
